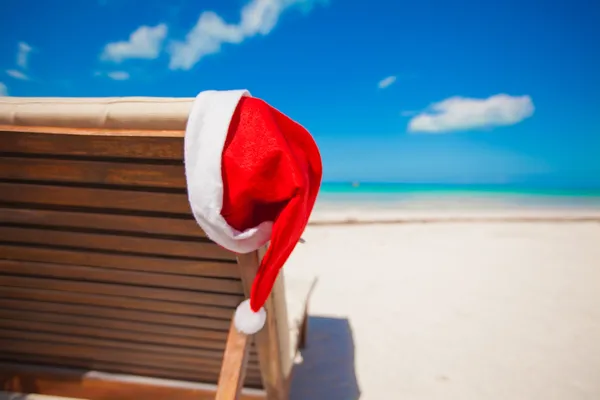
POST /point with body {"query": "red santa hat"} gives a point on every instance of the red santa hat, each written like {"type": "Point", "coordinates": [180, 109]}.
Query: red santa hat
{"type": "Point", "coordinates": [253, 175]}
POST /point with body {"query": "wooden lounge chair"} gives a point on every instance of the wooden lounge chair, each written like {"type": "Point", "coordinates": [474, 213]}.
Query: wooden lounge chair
{"type": "Point", "coordinates": [108, 287]}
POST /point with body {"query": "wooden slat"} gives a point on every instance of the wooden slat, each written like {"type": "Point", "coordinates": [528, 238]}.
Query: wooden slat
{"type": "Point", "coordinates": [111, 332]}
{"type": "Point", "coordinates": [234, 367]}
{"type": "Point", "coordinates": [72, 361]}
{"type": "Point", "coordinates": [78, 319]}
{"type": "Point", "coordinates": [150, 279]}
{"type": "Point", "coordinates": [112, 222]}
{"type": "Point", "coordinates": [104, 354]}
{"type": "Point", "coordinates": [115, 243]}
{"type": "Point", "coordinates": [22, 282]}
{"type": "Point", "coordinates": [77, 384]}
{"type": "Point", "coordinates": [119, 261]}
{"type": "Point", "coordinates": [94, 172]}
{"type": "Point", "coordinates": [102, 143]}
{"type": "Point", "coordinates": [108, 354]}
{"type": "Point", "coordinates": [176, 203]}
{"type": "Point", "coordinates": [128, 356]}
{"type": "Point", "coordinates": [37, 291]}
{"type": "Point", "coordinates": [185, 355]}
{"type": "Point", "coordinates": [119, 366]}
{"type": "Point", "coordinates": [129, 363]}
{"type": "Point", "coordinates": [191, 328]}
{"type": "Point", "coordinates": [125, 291]}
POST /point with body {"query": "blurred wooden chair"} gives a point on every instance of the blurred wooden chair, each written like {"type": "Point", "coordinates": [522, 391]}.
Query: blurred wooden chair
{"type": "Point", "coordinates": [108, 287]}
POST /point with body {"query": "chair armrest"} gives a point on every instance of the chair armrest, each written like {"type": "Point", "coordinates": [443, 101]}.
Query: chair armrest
{"type": "Point", "coordinates": [233, 369]}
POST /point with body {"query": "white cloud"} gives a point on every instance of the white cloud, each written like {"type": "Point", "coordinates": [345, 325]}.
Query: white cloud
{"type": "Point", "coordinates": [3, 89]}
{"type": "Point", "coordinates": [386, 82]}
{"type": "Point", "coordinates": [258, 17]}
{"type": "Point", "coordinates": [460, 113]}
{"type": "Point", "coordinates": [114, 75]}
{"type": "Point", "coordinates": [23, 54]}
{"type": "Point", "coordinates": [17, 74]}
{"type": "Point", "coordinates": [145, 43]}
{"type": "Point", "coordinates": [118, 75]}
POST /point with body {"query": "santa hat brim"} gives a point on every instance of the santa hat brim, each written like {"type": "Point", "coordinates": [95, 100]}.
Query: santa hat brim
{"type": "Point", "coordinates": [206, 134]}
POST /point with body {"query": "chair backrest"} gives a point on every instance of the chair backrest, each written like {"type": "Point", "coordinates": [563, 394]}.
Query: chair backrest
{"type": "Point", "coordinates": [102, 265]}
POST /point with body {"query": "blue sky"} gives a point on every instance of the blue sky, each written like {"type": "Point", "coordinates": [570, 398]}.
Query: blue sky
{"type": "Point", "coordinates": [425, 91]}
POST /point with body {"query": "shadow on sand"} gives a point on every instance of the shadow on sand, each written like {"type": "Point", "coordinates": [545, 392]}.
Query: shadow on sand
{"type": "Point", "coordinates": [327, 369]}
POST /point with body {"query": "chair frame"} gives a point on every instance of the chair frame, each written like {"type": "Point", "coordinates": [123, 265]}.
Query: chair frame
{"type": "Point", "coordinates": [272, 345]}
{"type": "Point", "coordinates": [100, 386]}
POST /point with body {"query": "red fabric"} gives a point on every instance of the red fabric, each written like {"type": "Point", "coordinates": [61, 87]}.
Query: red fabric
{"type": "Point", "coordinates": [271, 172]}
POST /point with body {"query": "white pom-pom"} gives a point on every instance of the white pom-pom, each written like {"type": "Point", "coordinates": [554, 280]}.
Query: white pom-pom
{"type": "Point", "coordinates": [248, 321]}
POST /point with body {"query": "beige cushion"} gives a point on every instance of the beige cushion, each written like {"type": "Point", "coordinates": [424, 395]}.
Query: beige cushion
{"type": "Point", "coordinates": [152, 113]}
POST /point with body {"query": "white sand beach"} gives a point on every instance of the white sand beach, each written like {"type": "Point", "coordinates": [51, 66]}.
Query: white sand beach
{"type": "Point", "coordinates": [452, 310]}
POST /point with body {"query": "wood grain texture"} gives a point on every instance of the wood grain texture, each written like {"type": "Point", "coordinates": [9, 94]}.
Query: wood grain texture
{"type": "Point", "coordinates": [113, 323]}
{"type": "Point", "coordinates": [90, 131]}
{"type": "Point", "coordinates": [74, 361]}
{"type": "Point", "coordinates": [142, 323]}
{"type": "Point", "coordinates": [121, 290]}
{"type": "Point", "coordinates": [104, 199]}
{"type": "Point", "coordinates": [73, 383]}
{"type": "Point", "coordinates": [101, 221]}
{"type": "Point", "coordinates": [113, 329]}
{"type": "Point", "coordinates": [133, 357]}
{"type": "Point", "coordinates": [121, 261]}
{"type": "Point", "coordinates": [47, 343]}
{"type": "Point", "coordinates": [161, 145]}
{"type": "Point", "coordinates": [115, 243]}
{"type": "Point", "coordinates": [120, 366]}
{"type": "Point", "coordinates": [136, 326]}
{"type": "Point", "coordinates": [107, 275]}
{"type": "Point", "coordinates": [185, 355]}
{"type": "Point", "coordinates": [93, 172]}
{"type": "Point", "coordinates": [30, 289]}
{"type": "Point", "coordinates": [205, 371]}
{"type": "Point", "coordinates": [234, 366]}
{"type": "Point", "coordinates": [200, 370]}
{"type": "Point", "coordinates": [102, 265]}
{"type": "Point", "coordinates": [267, 340]}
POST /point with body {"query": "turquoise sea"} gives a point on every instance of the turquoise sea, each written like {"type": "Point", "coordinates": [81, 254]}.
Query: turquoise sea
{"type": "Point", "coordinates": [393, 195]}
